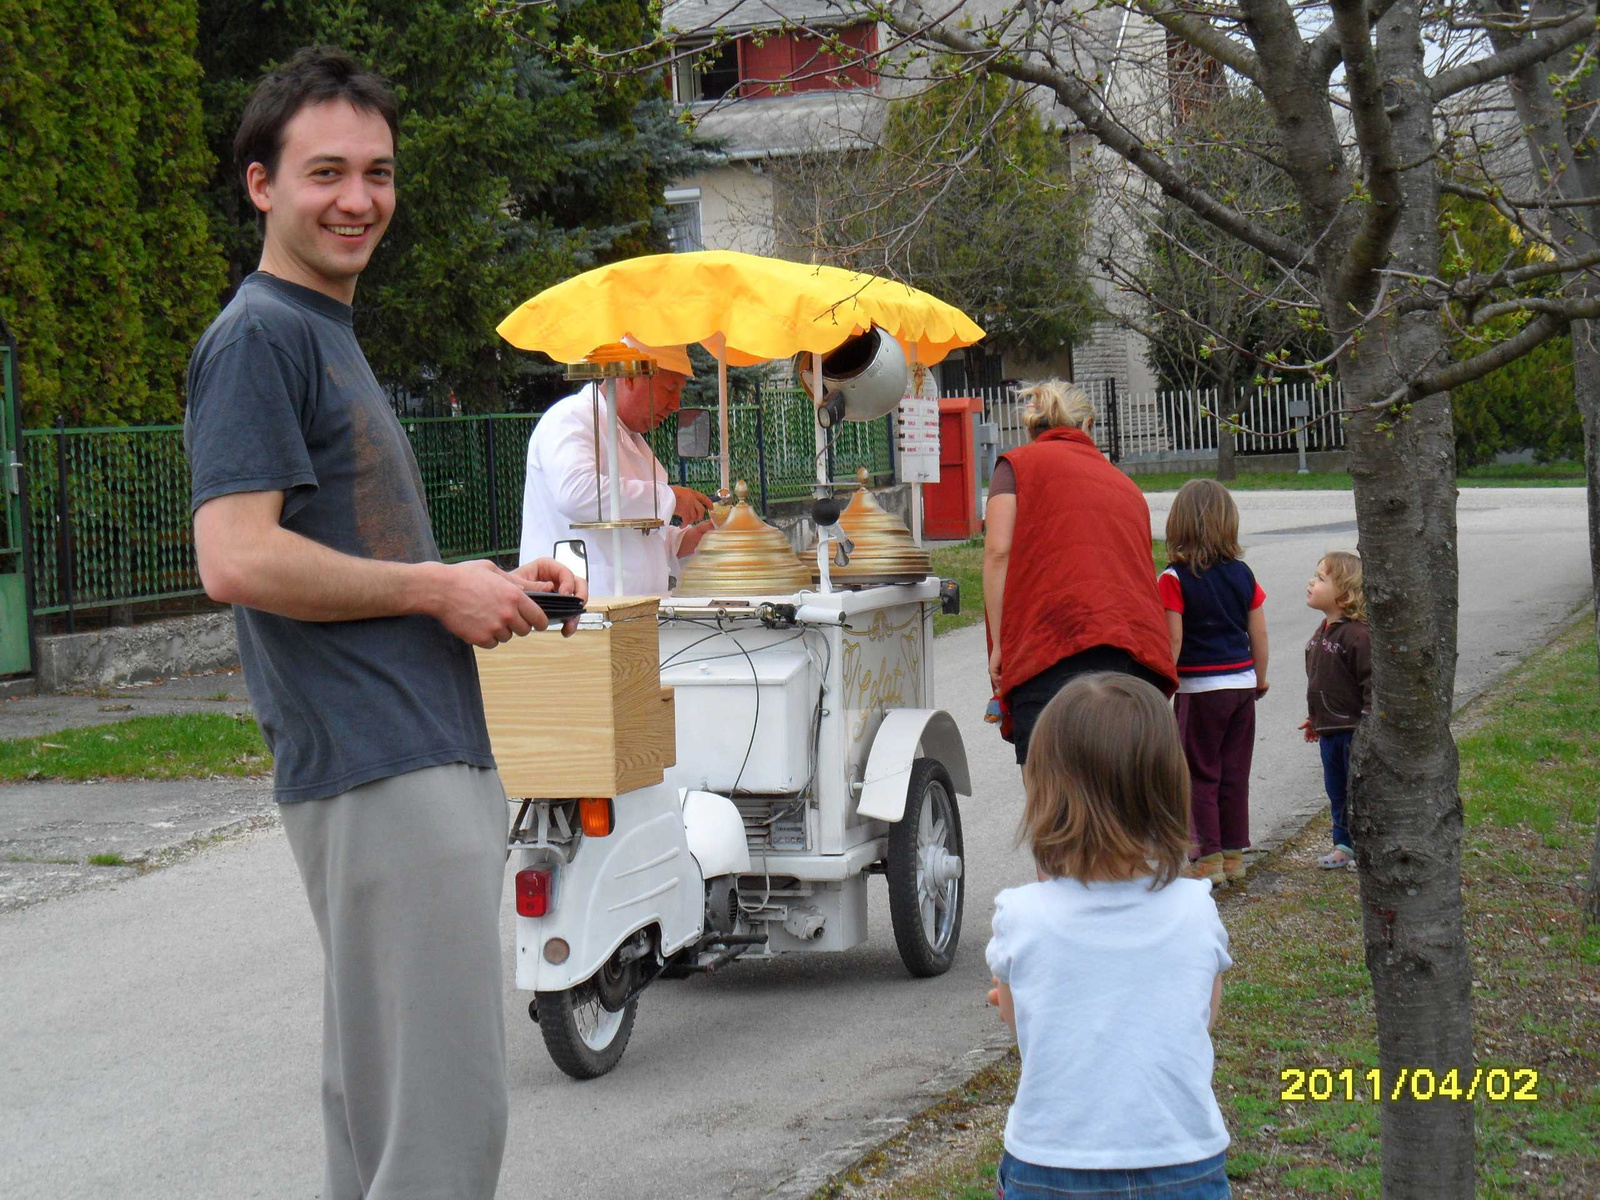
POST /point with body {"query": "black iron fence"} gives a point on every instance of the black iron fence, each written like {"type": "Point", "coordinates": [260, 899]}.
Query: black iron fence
{"type": "Point", "coordinates": [109, 507]}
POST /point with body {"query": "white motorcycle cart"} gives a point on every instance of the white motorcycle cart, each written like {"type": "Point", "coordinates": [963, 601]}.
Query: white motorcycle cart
{"type": "Point", "coordinates": [699, 780]}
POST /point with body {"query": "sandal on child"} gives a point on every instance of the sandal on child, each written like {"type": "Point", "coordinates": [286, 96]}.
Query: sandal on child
{"type": "Point", "coordinates": [1339, 857]}
{"type": "Point", "coordinates": [1233, 865]}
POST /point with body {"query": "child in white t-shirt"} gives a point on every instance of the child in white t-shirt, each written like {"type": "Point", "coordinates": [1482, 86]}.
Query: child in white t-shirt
{"type": "Point", "coordinates": [1109, 969]}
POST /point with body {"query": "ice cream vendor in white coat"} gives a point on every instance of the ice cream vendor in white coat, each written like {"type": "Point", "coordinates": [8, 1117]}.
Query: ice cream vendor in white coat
{"type": "Point", "coordinates": [562, 485]}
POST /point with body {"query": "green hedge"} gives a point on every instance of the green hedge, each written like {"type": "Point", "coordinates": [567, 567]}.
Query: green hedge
{"type": "Point", "coordinates": [107, 271]}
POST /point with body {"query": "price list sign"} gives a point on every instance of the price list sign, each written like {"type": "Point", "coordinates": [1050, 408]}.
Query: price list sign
{"type": "Point", "coordinates": [917, 439]}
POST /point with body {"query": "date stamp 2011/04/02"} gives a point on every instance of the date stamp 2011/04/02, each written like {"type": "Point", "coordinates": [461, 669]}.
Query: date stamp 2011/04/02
{"type": "Point", "coordinates": [1321, 1084]}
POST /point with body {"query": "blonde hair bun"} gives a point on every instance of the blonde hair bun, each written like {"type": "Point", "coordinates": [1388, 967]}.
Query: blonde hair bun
{"type": "Point", "coordinates": [1055, 404]}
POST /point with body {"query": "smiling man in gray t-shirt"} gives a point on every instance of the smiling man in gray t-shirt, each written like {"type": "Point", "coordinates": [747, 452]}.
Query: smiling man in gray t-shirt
{"type": "Point", "coordinates": [310, 519]}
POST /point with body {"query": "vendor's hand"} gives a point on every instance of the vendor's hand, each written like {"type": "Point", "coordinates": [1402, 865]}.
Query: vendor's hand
{"type": "Point", "coordinates": [481, 604]}
{"type": "Point", "coordinates": [690, 506]}
{"type": "Point", "coordinates": [1305, 728]}
{"type": "Point", "coordinates": [994, 669]}
{"type": "Point", "coordinates": [547, 575]}
{"type": "Point", "coordinates": [1261, 688]}
{"type": "Point", "coordinates": [690, 542]}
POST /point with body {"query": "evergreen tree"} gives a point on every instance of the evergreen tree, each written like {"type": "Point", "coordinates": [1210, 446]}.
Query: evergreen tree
{"type": "Point", "coordinates": [107, 274]}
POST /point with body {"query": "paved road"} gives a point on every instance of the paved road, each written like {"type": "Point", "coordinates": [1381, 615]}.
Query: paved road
{"type": "Point", "coordinates": [159, 1038]}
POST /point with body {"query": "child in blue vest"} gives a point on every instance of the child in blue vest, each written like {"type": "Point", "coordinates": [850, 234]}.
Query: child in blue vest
{"type": "Point", "coordinates": [1109, 968]}
{"type": "Point", "coordinates": [1219, 638]}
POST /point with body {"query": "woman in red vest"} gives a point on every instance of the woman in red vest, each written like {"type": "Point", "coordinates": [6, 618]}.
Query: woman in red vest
{"type": "Point", "coordinates": [1069, 583]}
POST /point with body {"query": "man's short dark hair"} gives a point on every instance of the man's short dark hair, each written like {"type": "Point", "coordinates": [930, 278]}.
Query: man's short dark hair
{"type": "Point", "coordinates": [314, 75]}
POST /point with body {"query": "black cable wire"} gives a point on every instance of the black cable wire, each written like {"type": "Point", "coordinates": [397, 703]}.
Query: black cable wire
{"type": "Point", "coordinates": [755, 683]}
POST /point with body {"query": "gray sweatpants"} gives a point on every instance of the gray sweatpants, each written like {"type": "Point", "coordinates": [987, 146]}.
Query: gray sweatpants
{"type": "Point", "coordinates": [404, 876]}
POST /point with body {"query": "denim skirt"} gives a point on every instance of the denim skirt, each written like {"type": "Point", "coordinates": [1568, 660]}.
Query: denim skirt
{"type": "Point", "coordinates": [1204, 1180]}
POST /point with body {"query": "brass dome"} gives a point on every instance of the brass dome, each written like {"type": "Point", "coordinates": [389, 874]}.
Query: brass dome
{"type": "Point", "coordinates": [884, 551]}
{"type": "Point", "coordinates": [742, 556]}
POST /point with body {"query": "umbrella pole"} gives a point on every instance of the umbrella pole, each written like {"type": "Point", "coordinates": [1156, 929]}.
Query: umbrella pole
{"type": "Point", "coordinates": [722, 406]}
{"type": "Point", "coordinates": [917, 377]}
{"type": "Point", "coordinates": [612, 439]}
{"type": "Point", "coordinates": [820, 441]}
{"type": "Point", "coordinates": [820, 434]}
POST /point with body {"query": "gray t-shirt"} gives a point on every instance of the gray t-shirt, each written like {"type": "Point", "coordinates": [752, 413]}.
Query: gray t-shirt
{"type": "Point", "coordinates": [282, 399]}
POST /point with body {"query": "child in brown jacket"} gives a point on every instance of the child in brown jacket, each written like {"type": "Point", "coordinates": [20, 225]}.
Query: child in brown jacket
{"type": "Point", "coordinates": [1338, 684]}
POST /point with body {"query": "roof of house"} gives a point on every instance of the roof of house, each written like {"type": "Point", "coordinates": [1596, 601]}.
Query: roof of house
{"type": "Point", "coordinates": [800, 123]}
{"type": "Point", "coordinates": [690, 15]}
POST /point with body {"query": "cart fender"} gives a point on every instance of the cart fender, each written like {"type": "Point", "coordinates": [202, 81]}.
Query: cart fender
{"type": "Point", "coordinates": [904, 735]}
{"type": "Point", "coordinates": [716, 834]}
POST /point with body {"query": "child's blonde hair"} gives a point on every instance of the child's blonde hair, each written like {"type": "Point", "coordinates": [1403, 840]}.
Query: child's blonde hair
{"type": "Point", "coordinates": [1344, 572]}
{"type": "Point", "coordinates": [1203, 525]}
{"type": "Point", "coordinates": [1107, 783]}
{"type": "Point", "coordinates": [1055, 404]}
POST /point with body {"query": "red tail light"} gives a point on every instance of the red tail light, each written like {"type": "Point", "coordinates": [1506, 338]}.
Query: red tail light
{"type": "Point", "coordinates": [533, 893]}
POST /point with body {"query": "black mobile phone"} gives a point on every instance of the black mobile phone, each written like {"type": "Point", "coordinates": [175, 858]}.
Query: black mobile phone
{"type": "Point", "coordinates": [558, 606]}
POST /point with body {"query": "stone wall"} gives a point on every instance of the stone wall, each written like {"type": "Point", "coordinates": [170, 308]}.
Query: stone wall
{"type": "Point", "coordinates": [104, 658]}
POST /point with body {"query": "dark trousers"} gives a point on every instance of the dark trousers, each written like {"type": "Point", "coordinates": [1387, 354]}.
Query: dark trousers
{"type": "Point", "coordinates": [1219, 736]}
{"type": "Point", "coordinates": [1336, 778]}
{"type": "Point", "coordinates": [1028, 698]}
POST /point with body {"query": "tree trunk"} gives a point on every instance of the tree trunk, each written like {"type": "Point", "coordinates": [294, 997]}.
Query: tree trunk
{"type": "Point", "coordinates": [1586, 386]}
{"type": "Point", "coordinates": [1556, 131]}
{"type": "Point", "coordinates": [1227, 414]}
{"type": "Point", "coordinates": [1406, 810]}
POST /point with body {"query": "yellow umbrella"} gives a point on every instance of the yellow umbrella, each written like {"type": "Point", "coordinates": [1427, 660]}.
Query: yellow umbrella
{"type": "Point", "coordinates": [762, 308]}
{"type": "Point", "coordinates": [744, 308]}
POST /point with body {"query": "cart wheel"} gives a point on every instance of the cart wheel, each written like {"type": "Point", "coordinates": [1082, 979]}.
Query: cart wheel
{"type": "Point", "coordinates": [583, 1038]}
{"type": "Point", "coordinates": [924, 872]}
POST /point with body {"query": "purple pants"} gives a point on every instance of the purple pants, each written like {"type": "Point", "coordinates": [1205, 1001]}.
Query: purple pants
{"type": "Point", "coordinates": [1219, 735]}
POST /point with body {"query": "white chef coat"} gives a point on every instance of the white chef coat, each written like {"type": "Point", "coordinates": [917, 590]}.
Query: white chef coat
{"type": "Point", "coordinates": [561, 488]}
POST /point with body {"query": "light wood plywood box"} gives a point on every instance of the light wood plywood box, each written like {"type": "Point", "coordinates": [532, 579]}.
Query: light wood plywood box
{"type": "Point", "coordinates": [585, 715]}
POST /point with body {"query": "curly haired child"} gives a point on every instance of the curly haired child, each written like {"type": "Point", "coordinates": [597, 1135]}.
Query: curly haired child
{"type": "Point", "coordinates": [1338, 684]}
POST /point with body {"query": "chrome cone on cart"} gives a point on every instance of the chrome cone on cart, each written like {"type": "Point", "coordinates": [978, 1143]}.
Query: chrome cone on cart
{"type": "Point", "coordinates": [743, 556]}
{"type": "Point", "coordinates": [883, 550]}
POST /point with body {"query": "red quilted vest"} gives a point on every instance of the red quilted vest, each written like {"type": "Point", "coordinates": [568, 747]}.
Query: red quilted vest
{"type": "Point", "coordinates": [1081, 572]}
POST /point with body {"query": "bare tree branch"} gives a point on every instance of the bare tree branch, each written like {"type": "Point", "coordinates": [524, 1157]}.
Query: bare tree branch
{"type": "Point", "coordinates": [1524, 54]}
{"type": "Point", "coordinates": [1097, 121]}
{"type": "Point", "coordinates": [1373, 135]}
{"type": "Point", "coordinates": [1325, 53]}
{"type": "Point", "coordinates": [1204, 37]}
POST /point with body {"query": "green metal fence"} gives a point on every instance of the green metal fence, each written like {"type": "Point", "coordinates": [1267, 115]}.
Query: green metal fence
{"type": "Point", "coordinates": [109, 507]}
{"type": "Point", "coordinates": [773, 449]}
{"type": "Point", "coordinates": [118, 531]}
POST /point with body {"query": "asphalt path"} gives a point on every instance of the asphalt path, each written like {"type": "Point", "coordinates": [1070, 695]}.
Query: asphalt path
{"type": "Point", "coordinates": [159, 1038]}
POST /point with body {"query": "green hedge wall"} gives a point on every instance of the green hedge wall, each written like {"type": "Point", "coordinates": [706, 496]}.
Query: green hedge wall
{"type": "Point", "coordinates": [107, 270]}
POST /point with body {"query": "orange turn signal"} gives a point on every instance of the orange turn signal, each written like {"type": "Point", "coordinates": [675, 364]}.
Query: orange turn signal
{"type": "Point", "coordinates": [594, 816]}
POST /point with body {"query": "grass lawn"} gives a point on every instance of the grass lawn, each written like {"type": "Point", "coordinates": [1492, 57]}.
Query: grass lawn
{"type": "Point", "coordinates": [190, 746]}
{"type": "Point", "coordinates": [1560, 474]}
{"type": "Point", "coordinates": [1299, 995]}
{"type": "Point", "coordinates": [964, 564]}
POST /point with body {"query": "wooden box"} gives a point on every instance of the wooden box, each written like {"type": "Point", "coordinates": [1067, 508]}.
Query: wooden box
{"type": "Point", "coordinates": [585, 715]}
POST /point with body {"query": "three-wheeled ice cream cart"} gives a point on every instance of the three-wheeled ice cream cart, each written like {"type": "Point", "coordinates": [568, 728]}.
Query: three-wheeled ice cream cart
{"type": "Point", "coordinates": [716, 774]}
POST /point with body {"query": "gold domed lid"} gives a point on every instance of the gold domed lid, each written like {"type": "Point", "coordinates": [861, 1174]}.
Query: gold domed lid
{"type": "Point", "coordinates": [884, 550]}
{"type": "Point", "coordinates": [742, 556]}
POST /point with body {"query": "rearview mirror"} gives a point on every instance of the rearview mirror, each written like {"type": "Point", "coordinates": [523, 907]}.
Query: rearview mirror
{"type": "Point", "coordinates": [694, 433]}
{"type": "Point", "coordinates": [574, 556]}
